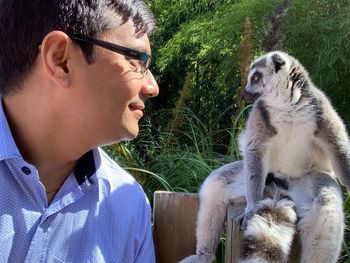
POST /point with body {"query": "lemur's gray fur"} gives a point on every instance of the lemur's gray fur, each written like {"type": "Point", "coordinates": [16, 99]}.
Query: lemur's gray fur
{"type": "Point", "coordinates": [295, 147]}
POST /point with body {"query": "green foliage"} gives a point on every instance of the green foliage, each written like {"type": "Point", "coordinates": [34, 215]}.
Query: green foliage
{"type": "Point", "coordinates": [208, 45]}
{"type": "Point", "coordinates": [318, 34]}
{"type": "Point", "coordinates": [170, 16]}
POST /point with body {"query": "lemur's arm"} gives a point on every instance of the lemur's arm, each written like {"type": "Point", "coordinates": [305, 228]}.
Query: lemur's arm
{"type": "Point", "coordinates": [258, 131]}
{"type": "Point", "coordinates": [334, 139]}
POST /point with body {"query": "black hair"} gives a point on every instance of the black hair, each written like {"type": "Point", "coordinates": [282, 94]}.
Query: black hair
{"type": "Point", "coordinates": [25, 23]}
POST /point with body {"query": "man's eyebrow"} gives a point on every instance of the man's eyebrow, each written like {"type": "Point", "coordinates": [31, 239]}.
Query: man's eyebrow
{"type": "Point", "coordinates": [140, 48]}
{"type": "Point", "coordinates": [133, 45]}
{"type": "Point", "coordinates": [143, 50]}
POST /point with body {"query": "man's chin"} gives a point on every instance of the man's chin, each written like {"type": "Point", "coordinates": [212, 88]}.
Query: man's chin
{"type": "Point", "coordinates": [130, 135]}
{"type": "Point", "coordinates": [126, 137]}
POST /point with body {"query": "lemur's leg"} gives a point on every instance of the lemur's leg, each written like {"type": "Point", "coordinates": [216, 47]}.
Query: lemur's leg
{"type": "Point", "coordinates": [221, 187]}
{"type": "Point", "coordinates": [321, 225]}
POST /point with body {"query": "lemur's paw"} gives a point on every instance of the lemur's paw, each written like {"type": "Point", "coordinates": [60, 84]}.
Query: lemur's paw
{"type": "Point", "coordinates": [242, 219]}
{"type": "Point", "coordinates": [203, 258]}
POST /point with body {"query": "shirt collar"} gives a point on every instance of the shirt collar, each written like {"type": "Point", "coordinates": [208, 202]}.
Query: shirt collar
{"type": "Point", "coordinates": [8, 148]}
{"type": "Point", "coordinates": [85, 168]}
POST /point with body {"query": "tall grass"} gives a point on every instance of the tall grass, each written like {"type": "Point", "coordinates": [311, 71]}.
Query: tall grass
{"type": "Point", "coordinates": [177, 158]}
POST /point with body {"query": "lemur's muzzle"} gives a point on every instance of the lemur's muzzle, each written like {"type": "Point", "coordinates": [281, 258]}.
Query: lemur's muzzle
{"type": "Point", "coordinates": [249, 97]}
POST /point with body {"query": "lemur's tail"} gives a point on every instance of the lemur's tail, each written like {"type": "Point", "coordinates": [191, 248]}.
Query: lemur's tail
{"type": "Point", "coordinates": [270, 232]}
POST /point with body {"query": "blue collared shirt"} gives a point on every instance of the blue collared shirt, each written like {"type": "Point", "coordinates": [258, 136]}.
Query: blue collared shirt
{"type": "Point", "coordinates": [99, 215]}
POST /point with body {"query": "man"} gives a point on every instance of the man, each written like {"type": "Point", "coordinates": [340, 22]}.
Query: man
{"type": "Point", "coordinates": [74, 75]}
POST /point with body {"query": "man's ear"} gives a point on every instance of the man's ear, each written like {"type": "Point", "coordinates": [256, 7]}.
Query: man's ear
{"type": "Point", "coordinates": [54, 54]}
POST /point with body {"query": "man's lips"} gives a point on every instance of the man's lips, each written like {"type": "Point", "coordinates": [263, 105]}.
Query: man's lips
{"type": "Point", "coordinates": [137, 108]}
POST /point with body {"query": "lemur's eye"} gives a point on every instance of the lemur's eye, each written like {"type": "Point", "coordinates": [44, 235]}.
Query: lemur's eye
{"type": "Point", "coordinates": [256, 77]}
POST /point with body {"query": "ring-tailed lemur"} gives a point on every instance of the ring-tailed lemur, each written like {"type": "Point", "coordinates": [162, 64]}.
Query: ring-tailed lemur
{"type": "Point", "coordinates": [295, 139]}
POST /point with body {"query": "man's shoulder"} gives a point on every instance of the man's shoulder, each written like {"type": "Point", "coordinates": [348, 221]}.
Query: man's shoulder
{"type": "Point", "coordinates": [115, 178]}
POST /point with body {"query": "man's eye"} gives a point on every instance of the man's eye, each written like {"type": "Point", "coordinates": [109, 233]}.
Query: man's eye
{"type": "Point", "coordinates": [134, 64]}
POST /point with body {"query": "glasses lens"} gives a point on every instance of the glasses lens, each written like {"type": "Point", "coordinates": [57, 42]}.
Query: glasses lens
{"type": "Point", "coordinates": [146, 60]}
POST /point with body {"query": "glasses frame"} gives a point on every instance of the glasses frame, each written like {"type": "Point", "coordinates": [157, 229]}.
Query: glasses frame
{"type": "Point", "coordinates": [132, 53]}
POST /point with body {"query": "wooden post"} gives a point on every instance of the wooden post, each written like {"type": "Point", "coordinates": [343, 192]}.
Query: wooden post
{"type": "Point", "coordinates": [174, 219]}
{"type": "Point", "coordinates": [233, 234]}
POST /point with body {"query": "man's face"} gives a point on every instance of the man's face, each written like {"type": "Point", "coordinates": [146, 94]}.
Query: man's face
{"type": "Point", "coordinates": [112, 93]}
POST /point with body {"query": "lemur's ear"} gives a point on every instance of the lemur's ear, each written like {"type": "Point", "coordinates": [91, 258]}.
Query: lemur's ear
{"type": "Point", "coordinates": [298, 78]}
{"type": "Point", "coordinates": [278, 62]}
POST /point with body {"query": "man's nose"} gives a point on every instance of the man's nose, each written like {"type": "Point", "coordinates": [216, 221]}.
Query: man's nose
{"type": "Point", "coordinates": [150, 88]}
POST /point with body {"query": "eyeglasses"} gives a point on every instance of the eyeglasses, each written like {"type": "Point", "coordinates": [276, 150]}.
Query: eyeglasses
{"type": "Point", "coordinates": [144, 57]}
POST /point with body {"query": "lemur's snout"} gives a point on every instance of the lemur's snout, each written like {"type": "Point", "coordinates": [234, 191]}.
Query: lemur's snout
{"type": "Point", "coordinates": [249, 96]}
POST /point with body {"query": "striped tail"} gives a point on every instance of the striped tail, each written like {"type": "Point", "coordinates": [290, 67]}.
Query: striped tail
{"type": "Point", "coordinates": [270, 232]}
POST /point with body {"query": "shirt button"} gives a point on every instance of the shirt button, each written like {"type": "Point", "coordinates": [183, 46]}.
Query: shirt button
{"type": "Point", "coordinates": [26, 170]}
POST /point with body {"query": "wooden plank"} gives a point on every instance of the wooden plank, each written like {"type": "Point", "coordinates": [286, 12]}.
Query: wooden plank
{"type": "Point", "coordinates": [233, 234]}
{"type": "Point", "coordinates": [296, 251]}
{"type": "Point", "coordinates": [174, 219]}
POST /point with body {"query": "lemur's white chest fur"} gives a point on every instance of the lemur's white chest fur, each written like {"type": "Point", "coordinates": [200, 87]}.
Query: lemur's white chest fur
{"type": "Point", "coordinates": [294, 150]}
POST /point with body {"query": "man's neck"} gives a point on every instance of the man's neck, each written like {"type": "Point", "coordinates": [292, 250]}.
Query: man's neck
{"type": "Point", "coordinates": [39, 137]}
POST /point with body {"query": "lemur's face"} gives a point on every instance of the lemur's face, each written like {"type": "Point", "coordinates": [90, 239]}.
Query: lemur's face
{"type": "Point", "coordinates": [274, 76]}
